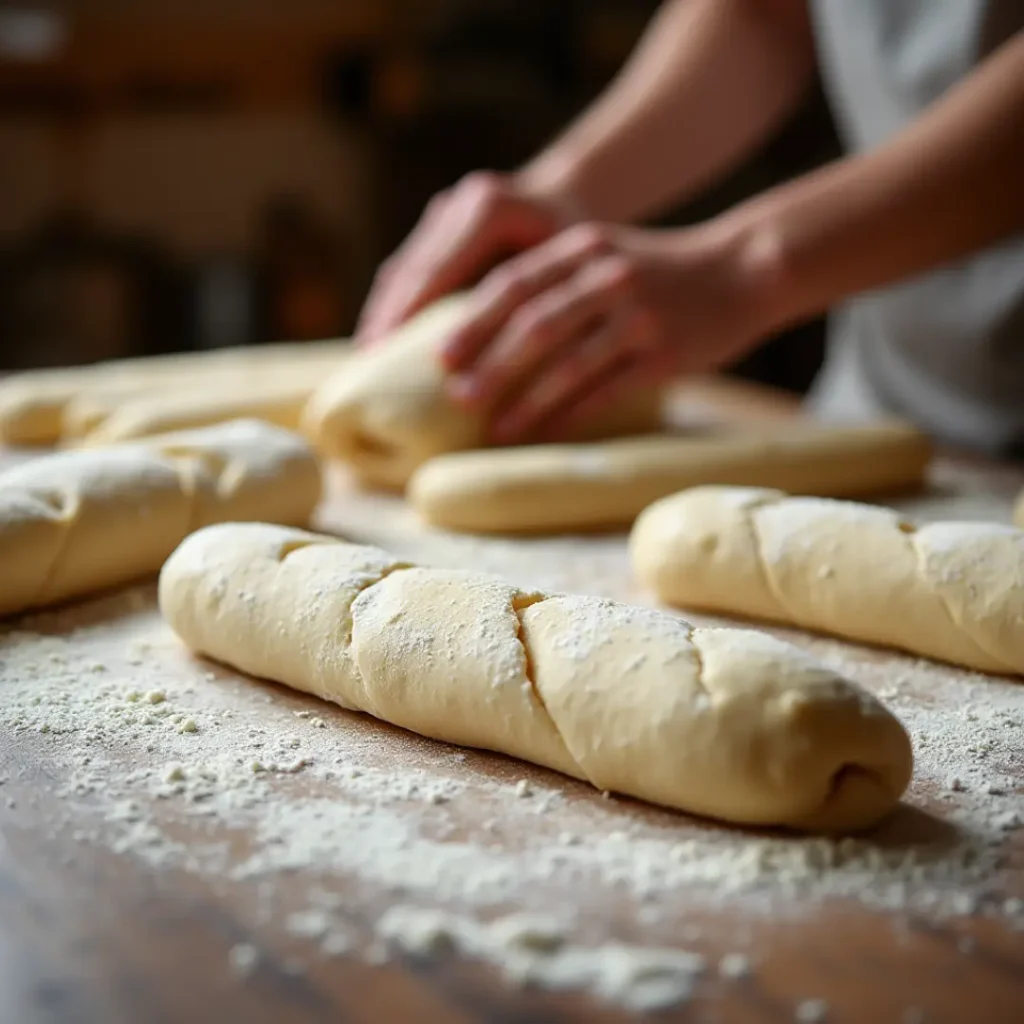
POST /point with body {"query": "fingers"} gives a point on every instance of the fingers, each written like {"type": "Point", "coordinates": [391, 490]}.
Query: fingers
{"type": "Point", "coordinates": [630, 374]}
{"type": "Point", "coordinates": [547, 392]}
{"type": "Point", "coordinates": [388, 293]}
{"type": "Point", "coordinates": [536, 335]}
{"type": "Point", "coordinates": [606, 352]}
{"type": "Point", "coordinates": [511, 286]}
{"type": "Point", "coordinates": [459, 236]}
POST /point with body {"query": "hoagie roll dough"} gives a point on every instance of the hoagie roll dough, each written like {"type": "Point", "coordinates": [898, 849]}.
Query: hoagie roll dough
{"type": "Point", "coordinates": [583, 486]}
{"type": "Point", "coordinates": [721, 722]}
{"type": "Point", "coordinates": [75, 522]}
{"type": "Point", "coordinates": [387, 412]}
{"type": "Point", "coordinates": [951, 591]}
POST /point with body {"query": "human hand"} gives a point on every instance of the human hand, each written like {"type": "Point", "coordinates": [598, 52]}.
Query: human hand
{"type": "Point", "coordinates": [558, 332]}
{"type": "Point", "coordinates": [464, 231]}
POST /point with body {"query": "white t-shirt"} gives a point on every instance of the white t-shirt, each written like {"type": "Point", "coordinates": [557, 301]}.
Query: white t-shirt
{"type": "Point", "coordinates": [946, 349]}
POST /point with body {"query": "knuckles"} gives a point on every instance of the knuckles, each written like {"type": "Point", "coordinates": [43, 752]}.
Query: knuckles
{"type": "Point", "coordinates": [483, 189]}
{"type": "Point", "coordinates": [532, 327]}
{"type": "Point", "coordinates": [589, 239]}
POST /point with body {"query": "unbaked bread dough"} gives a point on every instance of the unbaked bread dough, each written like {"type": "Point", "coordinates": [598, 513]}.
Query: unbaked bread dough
{"type": "Point", "coordinates": [76, 522]}
{"type": "Point", "coordinates": [276, 395]}
{"type": "Point", "coordinates": [275, 391]}
{"type": "Point", "coordinates": [1018, 510]}
{"type": "Point", "coordinates": [33, 403]}
{"type": "Point", "coordinates": [388, 411]}
{"type": "Point", "coordinates": [951, 591]}
{"type": "Point", "coordinates": [728, 723]}
{"type": "Point", "coordinates": [583, 486]}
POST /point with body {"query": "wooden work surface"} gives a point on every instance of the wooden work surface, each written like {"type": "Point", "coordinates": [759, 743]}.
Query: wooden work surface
{"type": "Point", "coordinates": [238, 872]}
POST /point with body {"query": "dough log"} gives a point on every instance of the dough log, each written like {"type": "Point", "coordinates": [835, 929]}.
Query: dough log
{"type": "Point", "coordinates": [388, 412]}
{"type": "Point", "coordinates": [949, 591]}
{"type": "Point", "coordinates": [727, 723]}
{"type": "Point", "coordinates": [75, 522]}
{"type": "Point", "coordinates": [34, 403]}
{"type": "Point", "coordinates": [1018, 510]}
{"type": "Point", "coordinates": [574, 487]}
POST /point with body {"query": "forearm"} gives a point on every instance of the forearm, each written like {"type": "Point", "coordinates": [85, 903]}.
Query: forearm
{"type": "Point", "coordinates": [949, 185]}
{"type": "Point", "coordinates": [708, 82]}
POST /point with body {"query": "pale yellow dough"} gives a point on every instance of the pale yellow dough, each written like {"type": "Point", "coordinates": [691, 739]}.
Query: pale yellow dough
{"type": "Point", "coordinates": [35, 404]}
{"type": "Point", "coordinates": [1018, 510]}
{"type": "Point", "coordinates": [75, 522]}
{"type": "Point", "coordinates": [951, 591]}
{"type": "Point", "coordinates": [727, 723]}
{"type": "Point", "coordinates": [583, 486]}
{"type": "Point", "coordinates": [387, 412]}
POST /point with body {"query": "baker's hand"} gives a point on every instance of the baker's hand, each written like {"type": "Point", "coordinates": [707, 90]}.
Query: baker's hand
{"type": "Point", "coordinates": [560, 331]}
{"type": "Point", "coordinates": [463, 232]}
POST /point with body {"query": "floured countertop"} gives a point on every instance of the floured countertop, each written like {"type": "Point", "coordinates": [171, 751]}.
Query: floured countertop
{"type": "Point", "coordinates": [182, 843]}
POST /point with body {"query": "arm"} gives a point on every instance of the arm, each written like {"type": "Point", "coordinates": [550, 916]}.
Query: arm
{"type": "Point", "coordinates": [949, 185]}
{"type": "Point", "coordinates": [695, 299]}
{"type": "Point", "coordinates": [710, 80]}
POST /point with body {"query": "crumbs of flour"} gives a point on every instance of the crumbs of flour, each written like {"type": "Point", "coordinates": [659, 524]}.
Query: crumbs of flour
{"type": "Point", "coordinates": [362, 817]}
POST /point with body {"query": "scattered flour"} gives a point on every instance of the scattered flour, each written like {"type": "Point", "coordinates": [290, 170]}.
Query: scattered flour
{"type": "Point", "coordinates": [243, 958]}
{"type": "Point", "coordinates": [536, 951]}
{"type": "Point", "coordinates": [812, 1011]}
{"type": "Point", "coordinates": [405, 845]}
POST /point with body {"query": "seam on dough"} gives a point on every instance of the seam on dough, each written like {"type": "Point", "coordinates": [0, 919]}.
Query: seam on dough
{"type": "Point", "coordinates": [919, 565]}
{"type": "Point", "coordinates": [519, 605]}
{"type": "Point", "coordinates": [66, 509]}
{"type": "Point", "coordinates": [399, 567]}
{"type": "Point", "coordinates": [698, 656]}
{"type": "Point", "coordinates": [836, 788]}
{"type": "Point", "coordinates": [787, 614]}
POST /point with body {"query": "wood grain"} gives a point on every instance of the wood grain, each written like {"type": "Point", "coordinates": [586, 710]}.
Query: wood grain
{"type": "Point", "coordinates": [90, 935]}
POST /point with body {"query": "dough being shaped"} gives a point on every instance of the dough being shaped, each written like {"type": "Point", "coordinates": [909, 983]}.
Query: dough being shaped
{"type": "Point", "coordinates": [950, 591]}
{"type": "Point", "coordinates": [727, 723]}
{"type": "Point", "coordinates": [584, 486]}
{"type": "Point", "coordinates": [388, 411]}
{"type": "Point", "coordinates": [75, 522]}
{"type": "Point", "coordinates": [1018, 510]}
{"type": "Point", "coordinates": [33, 403]}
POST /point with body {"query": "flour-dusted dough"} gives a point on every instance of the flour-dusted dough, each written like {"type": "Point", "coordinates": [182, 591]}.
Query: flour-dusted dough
{"type": "Point", "coordinates": [388, 411]}
{"type": "Point", "coordinates": [722, 722]}
{"type": "Point", "coordinates": [951, 591]}
{"type": "Point", "coordinates": [573, 487]}
{"type": "Point", "coordinates": [33, 403]}
{"type": "Point", "coordinates": [275, 390]}
{"type": "Point", "coordinates": [75, 522]}
{"type": "Point", "coordinates": [1018, 510]}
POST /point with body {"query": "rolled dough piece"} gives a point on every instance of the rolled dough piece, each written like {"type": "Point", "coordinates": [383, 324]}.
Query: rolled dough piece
{"type": "Point", "coordinates": [1018, 510]}
{"type": "Point", "coordinates": [388, 411]}
{"type": "Point", "coordinates": [276, 395]}
{"type": "Point", "coordinates": [574, 487]}
{"type": "Point", "coordinates": [32, 403]}
{"type": "Point", "coordinates": [727, 723]}
{"type": "Point", "coordinates": [275, 391]}
{"type": "Point", "coordinates": [75, 522]}
{"type": "Point", "coordinates": [950, 591]}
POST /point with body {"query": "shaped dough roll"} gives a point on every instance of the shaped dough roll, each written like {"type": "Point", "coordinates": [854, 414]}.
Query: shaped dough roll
{"type": "Point", "coordinates": [388, 411]}
{"type": "Point", "coordinates": [1018, 510]}
{"type": "Point", "coordinates": [34, 403]}
{"type": "Point", "coordinates": [272, 392]}
{"type": "Point", "coordinates": [727, 723]}
{"type": "Point", "coordinates": [573, 487]}
{"type": "Point", "coordinates": [951, 591]}
{"type": "Point", "coordinates": [75, 522]}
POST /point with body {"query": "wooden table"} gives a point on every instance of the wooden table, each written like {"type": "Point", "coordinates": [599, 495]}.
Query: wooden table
{"type": "Point", "coordinates": [123, 900]}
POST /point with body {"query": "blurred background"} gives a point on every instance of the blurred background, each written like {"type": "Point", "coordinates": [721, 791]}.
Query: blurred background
{"type": "Point", "coordinates": [202, 173]}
